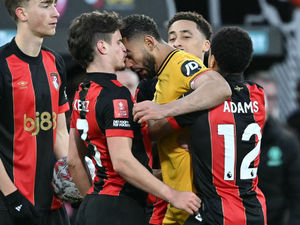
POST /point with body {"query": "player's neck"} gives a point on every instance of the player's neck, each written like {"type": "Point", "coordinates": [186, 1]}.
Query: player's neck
{"type": "Point", "coordinates": [28, 43]}
{"type": "Point", "coordinates": [97, 67]}
{"type": "Point", "coordinates": [161, 53]}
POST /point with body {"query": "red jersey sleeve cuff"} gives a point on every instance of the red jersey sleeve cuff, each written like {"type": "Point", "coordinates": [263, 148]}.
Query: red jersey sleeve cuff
{"type": "Point", "coordinates": [119, 133]}
{"type": "Point", "coordinates": [63, 108]}
{"type": "Point", "coordinates": [173, 123]}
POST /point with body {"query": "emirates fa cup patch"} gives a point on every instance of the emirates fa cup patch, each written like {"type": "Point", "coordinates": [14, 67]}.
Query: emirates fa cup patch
{"type": "Point", "coordinates": [121, 108]}
{"type": "Point", "coordinates": [54, 79]}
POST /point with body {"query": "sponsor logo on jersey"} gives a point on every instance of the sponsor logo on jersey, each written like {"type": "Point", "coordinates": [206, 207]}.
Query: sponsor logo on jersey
{"type": "Point", "coordinates": [42, 121]}
{"type": "Point", "coordinates": [121, 123]}
{"type": "Point", "coordinates": [241, 107]}
{"type": "Point", "coordinates": [22, 84]}
{"type": "Point", "coordinates": [55, 81]}
{"type": "Point", "coordinates": [79, 105]}
{"type": "Point", "coordinates": [190, 67]}
{"type": "Point", "coordinates": [120, 108]}
{"type": "Point", "coordinates": [237, 88]}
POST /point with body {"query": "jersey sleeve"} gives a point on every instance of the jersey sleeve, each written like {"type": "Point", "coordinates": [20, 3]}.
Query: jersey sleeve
{"type": "Point", "coordinates": [63, 100]}
{"type": "Point", "coordinates": [114, 113]}
{"type": "Point", "coordinates": [176, 79]}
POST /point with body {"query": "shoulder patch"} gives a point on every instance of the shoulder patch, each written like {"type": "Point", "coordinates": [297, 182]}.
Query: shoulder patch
{"type": "Point", "coordinates": [121, 108]}
{"type": "Point", "coordinates": [190, 67]}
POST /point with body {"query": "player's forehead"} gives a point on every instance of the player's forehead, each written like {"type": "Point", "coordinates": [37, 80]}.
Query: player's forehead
{"type": "Point", "coordinates": [183, 26]}
{"type": "Point", "coordinates": [132, 45]}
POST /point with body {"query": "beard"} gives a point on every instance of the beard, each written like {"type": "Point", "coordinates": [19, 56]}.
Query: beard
{"type": "Point", "coordinates": [149, 66]}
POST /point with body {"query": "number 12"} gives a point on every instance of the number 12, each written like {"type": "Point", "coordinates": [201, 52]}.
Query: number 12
{"type": "Point", "coordinates": [230, 144]}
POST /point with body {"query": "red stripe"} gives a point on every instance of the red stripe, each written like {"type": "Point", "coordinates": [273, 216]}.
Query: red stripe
{"type": "Point", "coordinates": [25, 149]}
{"type": "Point", "coordinates": [119, 133]}
{"type": "Point", "coordinates": [196, 78]}
{"type": "Point", "coordinates": [231, 202]}
{"type": "Point", "coordinates": [173, 123]}
{"type": "Point", "coordinates": [147, 142]}
{"type": "Point", "coordinates": [50, 67]}
{"type": "Point", "coordinates": [116, 82]}
{"type": "Point", "coordinates": [63, 108]}
{"type": "Point", "coordinates": [257, 94]}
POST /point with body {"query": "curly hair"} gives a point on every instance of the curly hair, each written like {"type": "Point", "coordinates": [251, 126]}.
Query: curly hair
{"type": "Point", "coordinates": [139, 25]}
{"type": "Point", "coordinates": [202, 24]}
{"type": "Point", "coordinates": [232, 49]}
{"type": "Point", "coordinates": [87, 29]}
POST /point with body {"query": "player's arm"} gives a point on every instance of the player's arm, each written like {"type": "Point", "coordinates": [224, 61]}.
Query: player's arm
{"type": "Point", "coordinates": [135, 173]}
{"type": "Point", "coordinates": [160, 128]}
{"type": "Point", "coordinates": [76, 163]}
{"type": "Point", "coordinates": [6, 185]}
{"type": "Point", "coordinates": [62, 137]}
{"type": "Point", "coordinates": [211, 89]}
{"type": "Point", "coordinates": [13, 199]}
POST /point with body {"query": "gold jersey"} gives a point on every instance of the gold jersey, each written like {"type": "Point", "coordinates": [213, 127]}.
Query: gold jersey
{"type": "Point", "coordinates": [174, 79]}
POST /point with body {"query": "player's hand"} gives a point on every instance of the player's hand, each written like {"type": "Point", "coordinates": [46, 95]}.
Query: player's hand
{"type": "Point", "coordinates": [187, 201]}
{"type": "Point", "coordinates": [184, 142]}
{"type": "Point", "coordinates": [20, 209]}
{"type": "Point", "coordinates": [148, 110]}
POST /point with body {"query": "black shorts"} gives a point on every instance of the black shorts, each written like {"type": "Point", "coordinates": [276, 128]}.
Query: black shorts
{"type": "Point", "coordinates": [110, 210]}
{"type": "Point", "coordinates": [54, 217]}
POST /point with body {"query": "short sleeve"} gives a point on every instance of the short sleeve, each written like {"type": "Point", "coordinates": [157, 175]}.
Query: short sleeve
{"type": "Point", "coordinates": [114, 112]}
{"type": "Point", "coordinates": [63, 100]}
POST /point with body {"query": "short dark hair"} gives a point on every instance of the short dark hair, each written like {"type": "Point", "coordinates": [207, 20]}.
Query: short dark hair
{"type": "Point", "coordinates": [12, 5]}
{"type": "Point", "coordinates": [137, 25]}
{"type": "Point", "coordinates": [87, 29]}
{"type": "Point", "coordinates": [202, 24]}
{"type": "Point", "coordinates": [232, 49]}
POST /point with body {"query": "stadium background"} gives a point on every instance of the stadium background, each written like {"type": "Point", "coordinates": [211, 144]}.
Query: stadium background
{"type": "Point", "coordinates": [272, 25]}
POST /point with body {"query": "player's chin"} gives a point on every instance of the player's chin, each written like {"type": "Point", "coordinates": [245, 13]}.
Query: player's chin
{"type": "Point", "coordinates": [121, 67]}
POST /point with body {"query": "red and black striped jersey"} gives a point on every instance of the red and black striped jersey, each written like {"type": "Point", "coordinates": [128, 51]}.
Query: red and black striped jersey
{"type": "Point", "coordinates": [225, 149]}
{"type": "Point", "coordinates": [102, 108]}
{"type": "Point", "coordinates": [32, 95]}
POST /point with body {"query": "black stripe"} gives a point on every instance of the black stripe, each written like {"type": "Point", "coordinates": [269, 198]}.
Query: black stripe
{"type": "Point", "coordinates": [242, 120]}
{"type": "Point", "coordinates": [44, 139]}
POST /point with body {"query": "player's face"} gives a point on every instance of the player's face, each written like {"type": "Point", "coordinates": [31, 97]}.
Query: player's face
{"type": "Point", "coordinates": [139, 59]}
{"type": "Point", "coordinates": [42, 17]}
{"type": "Point", "coordinates": [117, 51]}
{"type": "Point", "coordinates": [184, 35]}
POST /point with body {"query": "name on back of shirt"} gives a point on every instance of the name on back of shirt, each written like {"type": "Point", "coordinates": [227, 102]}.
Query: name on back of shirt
{"type": "Point", "coordinates": [81, 105]}
{"type": "Point", "coordinates": [241, 107]}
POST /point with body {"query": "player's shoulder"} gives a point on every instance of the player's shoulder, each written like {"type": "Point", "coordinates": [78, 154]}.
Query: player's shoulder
{"type": "Point", "coordinates": [115, 89]}
{"type": "Point", "coordinates": [188, 64]}
{"type": "Point", "coordinates": [58, 58]}
{"type": "Point", "coordinates": [5, 51]}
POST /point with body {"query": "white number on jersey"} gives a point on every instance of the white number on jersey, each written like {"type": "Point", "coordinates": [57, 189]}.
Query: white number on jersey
{"type": "Point", "coordinates": [227, 130]}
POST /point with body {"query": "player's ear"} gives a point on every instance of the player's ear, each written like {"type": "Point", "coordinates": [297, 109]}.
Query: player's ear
{"type": "Point", "coordinates": [212, 61]}
{"type": "Point", "coordinates": [149, 42]}
{"type": "Point", "coordinates": [21, 14]}
{"type": "Point", "coordinates": [102, 47]}
{"type": "Point", "coordinates": [206, 45]}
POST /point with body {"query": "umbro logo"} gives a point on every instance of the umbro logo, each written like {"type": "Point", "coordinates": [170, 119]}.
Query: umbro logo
{"type": "Point", "coordinates": [18, 208]}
